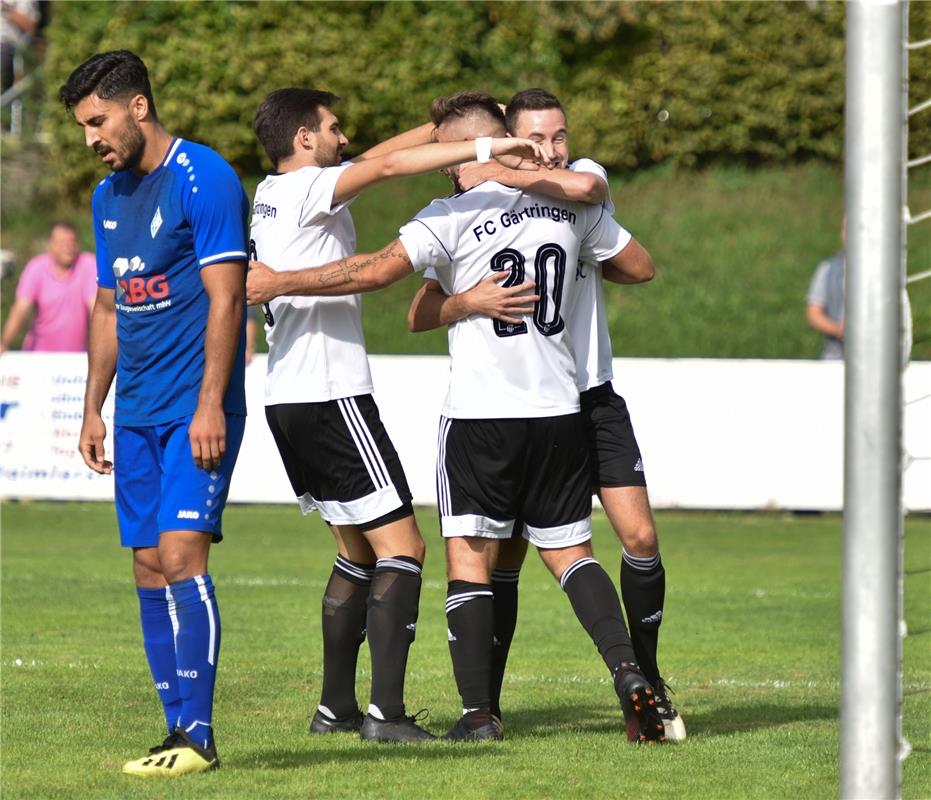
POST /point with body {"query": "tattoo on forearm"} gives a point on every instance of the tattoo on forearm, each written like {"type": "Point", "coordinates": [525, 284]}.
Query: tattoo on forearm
{"type": "Point", "coordinates": [346, 271]}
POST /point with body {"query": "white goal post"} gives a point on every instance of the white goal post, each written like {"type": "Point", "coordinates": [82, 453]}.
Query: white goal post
{"type": "Point", "coordinates": [876, 130]}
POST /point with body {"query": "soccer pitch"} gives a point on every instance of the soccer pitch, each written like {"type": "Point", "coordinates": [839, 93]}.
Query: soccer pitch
{"type": "Point", "coordinates": [750, 643]}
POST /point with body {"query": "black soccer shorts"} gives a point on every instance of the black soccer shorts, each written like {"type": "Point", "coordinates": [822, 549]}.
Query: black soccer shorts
{"type": "Point", "coordinates": [615, 454]}
{"type": "Point", "coordinates": [493, 471]}
{"type": "Point", "coordinates": [340, 460]}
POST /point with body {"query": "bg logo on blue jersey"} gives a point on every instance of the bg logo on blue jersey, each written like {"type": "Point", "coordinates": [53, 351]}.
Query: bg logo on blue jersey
{"type": "Point", "coordinates": [138, 289]}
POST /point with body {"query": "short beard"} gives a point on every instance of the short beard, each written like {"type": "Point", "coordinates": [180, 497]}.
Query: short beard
{"type": "Point", "coordinates": [329, 158]}
{"type": "Point", "coordinates": [133, 142]}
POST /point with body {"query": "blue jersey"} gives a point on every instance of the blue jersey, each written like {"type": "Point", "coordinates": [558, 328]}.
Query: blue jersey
{"type": "Point", "coordinates": [153, 234]}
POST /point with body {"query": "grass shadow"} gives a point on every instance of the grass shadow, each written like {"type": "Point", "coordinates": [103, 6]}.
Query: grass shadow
{"type": "Point", "coordinates": [719, 721]}
{"type": "Point", "coordinates": [727, 720]}
{"type": "Point", "coordinates": [361, 753]}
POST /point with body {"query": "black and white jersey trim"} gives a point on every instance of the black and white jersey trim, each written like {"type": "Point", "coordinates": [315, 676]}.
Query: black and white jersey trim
{"type": "Point", "coordinates": [575, 565]}
{"type": "Point", "coordinates": [368, 450]}
{"type": "Point", "coordinates": [455, 600]}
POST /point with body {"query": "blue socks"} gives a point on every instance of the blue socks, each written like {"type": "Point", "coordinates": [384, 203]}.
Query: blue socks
{"type": "Point", "coordinates": [197, 645]}
{"type": "Point", "coordinates": [158, 637]}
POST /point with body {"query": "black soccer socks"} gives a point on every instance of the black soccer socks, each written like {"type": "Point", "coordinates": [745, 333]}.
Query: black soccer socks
{"type": "Point", "coordinates": [344, 611]}
{"type": "Point", "coordinates": [392, 622]}
{"type": "Point", "coordinates": [504, 586]}
{"type": "Point", "coordinates": [643, 587]}
{"type": "Point", "coordinates": [470, 623]}
{"type": "Point", "coordinates": [595, 602]}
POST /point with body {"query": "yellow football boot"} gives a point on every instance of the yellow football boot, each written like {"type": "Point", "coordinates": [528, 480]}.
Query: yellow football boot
{"type": "Point", "coordinates": [177, 755]}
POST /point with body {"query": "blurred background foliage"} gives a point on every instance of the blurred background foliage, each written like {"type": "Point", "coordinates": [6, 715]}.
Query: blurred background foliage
{"type": "Point", "coordinates": [689, 83]}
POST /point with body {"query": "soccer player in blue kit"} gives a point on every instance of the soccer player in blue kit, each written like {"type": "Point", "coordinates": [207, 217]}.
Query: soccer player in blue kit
{"type": "Point", "coordinates": [170, 224]}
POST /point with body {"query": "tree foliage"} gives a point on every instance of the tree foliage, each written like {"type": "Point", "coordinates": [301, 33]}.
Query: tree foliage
{"type": "Point", "coordinates": [690, 83]}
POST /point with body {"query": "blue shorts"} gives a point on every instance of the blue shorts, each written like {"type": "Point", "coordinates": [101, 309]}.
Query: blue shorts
{"type": "Point", "coordinates": [158, 486]}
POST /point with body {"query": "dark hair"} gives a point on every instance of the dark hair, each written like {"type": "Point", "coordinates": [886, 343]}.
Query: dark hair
{"type": "Point", "coordinates": [63, 223]}
{"type": "Point", "coordinates": [283, 113]}
{"type": "Point", "coordinates": [465, 104]}
{"type": "Point", "coordinates": [530, 100]}
{"type": "Point", "coordinates": [115, 75]}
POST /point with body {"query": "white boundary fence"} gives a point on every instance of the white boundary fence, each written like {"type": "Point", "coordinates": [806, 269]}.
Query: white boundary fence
{"type": "Point", "coordinates": [715, 434]}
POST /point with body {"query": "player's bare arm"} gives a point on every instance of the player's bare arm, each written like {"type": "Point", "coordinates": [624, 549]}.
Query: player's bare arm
{"type": "Point", "coordinates": [223, 283]}
{"type": "Point", "coordinates": [433, 308]}
{"type": "Point", "coordinates": [363, 272]}
{"type": "Point", "coordinates": [101, 367]}
{"type": "Point", "coordinates": [632, 265]}
{"type": "Point", "coordinates": [430, 158]}
{"type": "Point", "coordinates": [422, 134]}
{"type": "Point", "coordinates": [563, 184]}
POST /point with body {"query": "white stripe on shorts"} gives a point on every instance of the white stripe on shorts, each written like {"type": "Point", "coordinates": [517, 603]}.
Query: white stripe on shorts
{"type": "Point", "coordinates": [362, 436]}
{"type": "Point", "coordinates": [442, 478]}
{"type": "Point", "coordinates": [362, 509]}
{"type": "Point", "coordinates": [475, 525]}
{"type": "Point", "coordinates": [559, 535]}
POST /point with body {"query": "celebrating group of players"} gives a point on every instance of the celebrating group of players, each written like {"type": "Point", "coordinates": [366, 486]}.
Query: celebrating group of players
{"type": "Point", "coordinates": [512, 263]}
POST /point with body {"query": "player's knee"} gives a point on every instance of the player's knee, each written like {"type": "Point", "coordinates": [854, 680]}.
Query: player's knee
{"type": "Point", "coordinates": [640, 540]}
{"type": "Point", "coordinates": [178, 565]}
{"type": "Point", "coordinates": [559, 559]}
{"type": "Point", "coordinates": [147, 570]}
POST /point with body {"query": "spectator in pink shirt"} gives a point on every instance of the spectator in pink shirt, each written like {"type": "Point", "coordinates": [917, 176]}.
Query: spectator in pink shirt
{"type": "Point", "coordinates": [59, 286]}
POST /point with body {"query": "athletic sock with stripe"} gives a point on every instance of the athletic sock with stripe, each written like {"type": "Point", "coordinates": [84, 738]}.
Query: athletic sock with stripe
{"type": "Point", "coordinates": [470, 624]}
{"type": "Point", "coordinates": [504, 586]}
{"type": "Point", "coordinates": [158, 638]}
{"type": "Point", "coordinates": [197, 645]}
{"type": "Point", "coordinates": [393, 603]}
{"type": "Point", "coordinates": [643, 587]}
{"type": "Point", "coordinates": [595, 602]}
{"type": "Point", "coordinates": [343, 619]}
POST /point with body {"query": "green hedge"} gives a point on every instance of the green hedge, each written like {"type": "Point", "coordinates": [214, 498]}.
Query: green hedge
{"type": "Point", "coordinates": [689, 83]}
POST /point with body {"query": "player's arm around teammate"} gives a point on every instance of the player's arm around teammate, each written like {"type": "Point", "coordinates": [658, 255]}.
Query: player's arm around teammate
{"type": "Point", "coordinates": [432, 157]}
{"type": "Point", "coordinates": [362, 272]}
{"type": "Point", "coordinates": [369, 272]}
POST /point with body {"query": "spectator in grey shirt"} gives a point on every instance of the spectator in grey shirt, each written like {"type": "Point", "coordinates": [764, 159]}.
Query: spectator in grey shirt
{"type": "Point", "coordinates": [826, 301]}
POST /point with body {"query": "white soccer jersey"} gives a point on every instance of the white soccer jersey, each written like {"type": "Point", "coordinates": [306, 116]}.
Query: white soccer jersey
{"type": "Point", "coordinates": [588, 327]}
{"type": "Point", "coordinates": [316, 348]}
{"type": "Point", "coordinates": [500, 370]}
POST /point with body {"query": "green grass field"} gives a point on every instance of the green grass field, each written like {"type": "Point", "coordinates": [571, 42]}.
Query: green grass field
{"type": "Point", "coordinates": [751, 644]}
